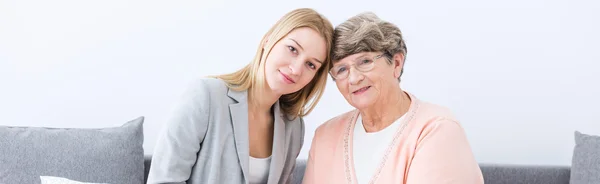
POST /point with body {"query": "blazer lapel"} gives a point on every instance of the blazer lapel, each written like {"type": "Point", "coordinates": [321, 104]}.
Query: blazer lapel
{"type": "Point", "coordinates": [239, 120]}
{"type": "Point", "coordinates": [278, 154]}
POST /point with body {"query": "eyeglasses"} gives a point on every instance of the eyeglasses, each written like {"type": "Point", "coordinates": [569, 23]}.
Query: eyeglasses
{"type": "Point", "coordinates": [363, 64]}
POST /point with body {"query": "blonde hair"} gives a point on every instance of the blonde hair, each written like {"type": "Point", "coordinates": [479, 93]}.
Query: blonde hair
{"type": "Point", "coordinates": [366, 32]}
{"type": "Point", "coordinates": [253, 75]}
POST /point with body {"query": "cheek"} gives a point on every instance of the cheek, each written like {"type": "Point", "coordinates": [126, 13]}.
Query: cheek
{"type": "Point", "coordinates": [376, 76]}
{"type": "Point", "coordinates": [342, 88]}
{"type": "Point", "coordinates": [306, 78]}
{"type": "Point", "coordinates": [380, 79]}
{"type": "Point", "coordinates": [274, 59]}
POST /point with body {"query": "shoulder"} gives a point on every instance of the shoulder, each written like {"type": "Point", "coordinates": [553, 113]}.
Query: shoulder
{"type": "Point", "coordinates": [423, 110]}
{"type": "Point", "coordinates": [204, 93]}
{"type": "Point", "coordinates": [335, 125]}
{"type": "Point", "coordinates": [204, 88]}
{"type": "Point", "coordinates": [433, 118]}
{"type": "Point", "coordinates": [208, 84]}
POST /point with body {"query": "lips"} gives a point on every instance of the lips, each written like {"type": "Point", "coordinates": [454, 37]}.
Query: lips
{"type": "Point", "coordinates": [361, 89]}
{"type": "Point", "coordinates": [287, 78]}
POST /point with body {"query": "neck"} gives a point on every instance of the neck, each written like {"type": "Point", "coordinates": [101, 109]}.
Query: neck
{"type": "Point", "coordinates": [385, 111]}
{"type": "Point", "coordinates": [261, 100]}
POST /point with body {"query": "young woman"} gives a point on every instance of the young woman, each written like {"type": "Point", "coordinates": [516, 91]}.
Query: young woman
{"type": "Point", "coordinates": [246, 126]}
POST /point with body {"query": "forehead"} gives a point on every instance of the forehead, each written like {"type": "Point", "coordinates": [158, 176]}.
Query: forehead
{"type": "Point", "coordinates": [310, 40]}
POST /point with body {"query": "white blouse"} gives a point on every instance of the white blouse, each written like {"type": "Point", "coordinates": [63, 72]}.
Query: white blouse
{"type": "Point", "coordinates": [259, 170]}
{"type": "Point", "coordinates": [369, 148]}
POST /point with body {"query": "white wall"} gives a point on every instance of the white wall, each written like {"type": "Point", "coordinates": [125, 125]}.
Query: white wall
{"type": "Point", "coordinates": [521, 75]}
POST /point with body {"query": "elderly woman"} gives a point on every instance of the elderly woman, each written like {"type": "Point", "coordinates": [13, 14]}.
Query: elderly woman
{"type": "Point", "coordinates": [391, 136]}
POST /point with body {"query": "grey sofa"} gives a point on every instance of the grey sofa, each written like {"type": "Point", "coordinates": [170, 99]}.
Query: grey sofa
{"type": "Point", "coordinates": [29, 153]}
{"type": "Point", "coordinates": [492, 174]}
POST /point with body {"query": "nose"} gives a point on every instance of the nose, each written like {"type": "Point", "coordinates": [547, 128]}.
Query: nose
{"type": "Point", "coordinates": [354, 77]}
{"type": "Point", "coordinates": [296, 67]}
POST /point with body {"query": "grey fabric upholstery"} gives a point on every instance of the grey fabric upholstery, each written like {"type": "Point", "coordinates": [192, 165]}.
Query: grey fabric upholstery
{"type": "Point", "coordinates": [106, 155]}
{"type": "Point", "coordinates": [586, 159]}
{"type": "Point", "coordinates": [524, 174]}
{"type": "Point", "coordinates": [498, 174]}
{"type": "Point", "coordinates": [586, 168]}
{"type": "Point", "coordinates": [147, 161]}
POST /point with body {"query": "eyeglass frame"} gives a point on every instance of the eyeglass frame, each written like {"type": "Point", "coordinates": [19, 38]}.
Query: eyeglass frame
{"type": "Point", "coordinates": [355, 67]}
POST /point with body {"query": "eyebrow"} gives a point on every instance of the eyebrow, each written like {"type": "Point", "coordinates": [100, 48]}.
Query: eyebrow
{"type": "Point", "coordinates": [361, 56]}
{"type": "Point", "coordinates": [303, 49]}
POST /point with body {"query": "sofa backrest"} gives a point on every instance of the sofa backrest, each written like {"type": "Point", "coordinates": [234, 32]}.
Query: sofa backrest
{"type": "Point", "coordinates": [492, 173]}
{"type": "Point", "coordinates": [147, 162]}
{"type": "Point", "coordinates": [525, 174]}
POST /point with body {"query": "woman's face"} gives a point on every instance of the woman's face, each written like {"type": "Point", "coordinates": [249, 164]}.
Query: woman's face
{"type": "Point", "coordinates": [294, 60]}
{"type": "Point", "coordinates": [367, 78]}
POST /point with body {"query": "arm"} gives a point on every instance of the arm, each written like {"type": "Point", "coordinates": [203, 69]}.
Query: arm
{"type": "Point", "coordinates": [443, 155]}
{"type": "Point", "coordinates": [180, 140]}
{"type": "Point", "coordinates": [309, 173]}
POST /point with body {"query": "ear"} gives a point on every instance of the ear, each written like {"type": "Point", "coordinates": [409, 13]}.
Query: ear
{"type": "Point", "coordinates": [265, 42]}
{"type": "Point", "coordinates": [398, 61]}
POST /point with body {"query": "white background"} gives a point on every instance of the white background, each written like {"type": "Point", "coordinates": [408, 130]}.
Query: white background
{"type": "Point", "coordinates": [522, 75]}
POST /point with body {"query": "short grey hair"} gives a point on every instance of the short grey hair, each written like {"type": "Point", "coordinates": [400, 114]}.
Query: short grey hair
{"type": "Point", "coordinates": [366, 32]}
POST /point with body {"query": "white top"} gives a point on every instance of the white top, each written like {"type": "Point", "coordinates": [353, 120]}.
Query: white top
{"type": "Point", "coordinates": [259, 170]}
{"type": "Point", "coordinates": [369, 148]}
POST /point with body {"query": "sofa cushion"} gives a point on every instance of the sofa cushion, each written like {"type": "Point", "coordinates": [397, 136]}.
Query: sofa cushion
{"type": "Point", "coordinates": [585, 165]}
{"type": "Point", "coordinates": [496, 173]}
{"type": "Point", "coordinates": [524, 174]}
{"type": "Point", "coordinates": [106, 155]}
{"type": "Point", "coordinates": [59, 180]}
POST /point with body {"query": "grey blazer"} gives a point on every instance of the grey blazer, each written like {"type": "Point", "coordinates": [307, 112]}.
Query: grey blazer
{"type": "Point", "coordinates": [206, 139]}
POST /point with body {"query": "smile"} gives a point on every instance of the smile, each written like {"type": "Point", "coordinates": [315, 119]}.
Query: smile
{"type": "Point", "coordinates": [361, 90]}
{"type": "Point", "coordinates": [287, 78]}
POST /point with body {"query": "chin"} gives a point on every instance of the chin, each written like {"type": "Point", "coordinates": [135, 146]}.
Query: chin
{"type": "Point", "coordinates": [285, 92]}
{"type": "Point", "coordinates": [361, 104]}
{"type": "Point", "coordinates": [279, 89]}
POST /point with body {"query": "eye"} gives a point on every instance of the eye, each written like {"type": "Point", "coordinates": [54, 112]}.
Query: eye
{"type": "Point", "coordinates": [292, 49]}
{"type": "Point", "coordinates": [311, 65]}
{"type": "Point", "coordinates": [340, 70]}
{"type": "Point", "coordinates": [365, 61]}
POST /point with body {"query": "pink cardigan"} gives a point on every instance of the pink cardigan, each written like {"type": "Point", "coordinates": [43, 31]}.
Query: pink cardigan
{"type": "Point", "coordinates": [429, 147]}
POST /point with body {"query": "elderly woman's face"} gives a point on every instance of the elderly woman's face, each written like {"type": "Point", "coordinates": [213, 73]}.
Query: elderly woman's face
{"type": "Point", "coordinates": [367, 78]}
